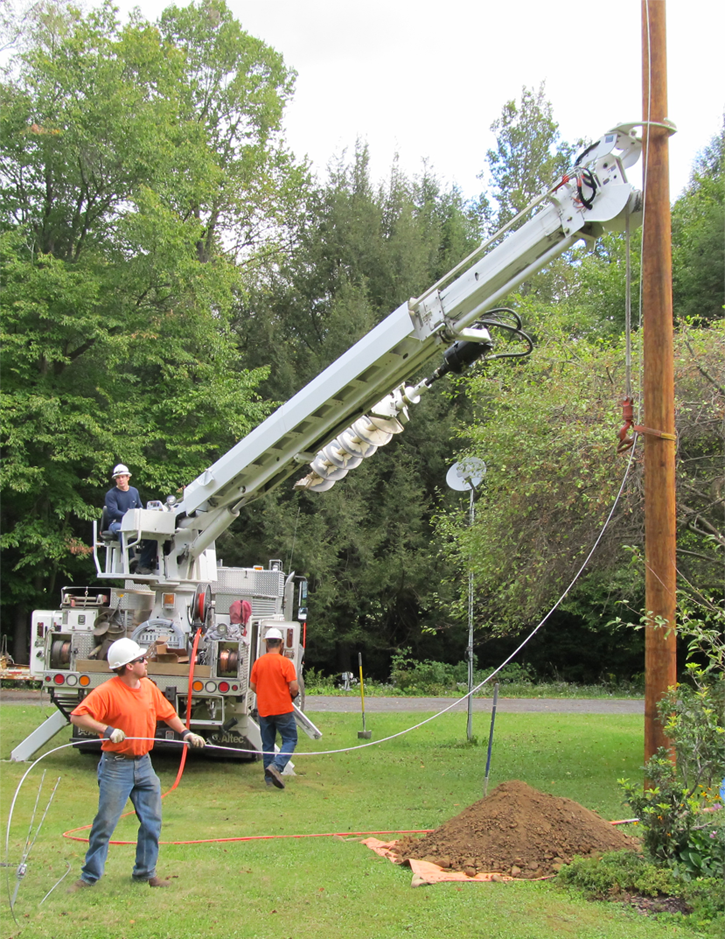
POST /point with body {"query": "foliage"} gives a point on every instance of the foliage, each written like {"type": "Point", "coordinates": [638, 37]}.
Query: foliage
{"type": "Point", "coordinates": [676, 830]}
{"type": "Point", "coordinates": [544, 430]}
{"type": "Point", "coordinates": [366, 544]}
{"type": "Point", "coordinates": [616, 872]}
{"type": "Point", "coordinates": [529, 154]}
{"type": "Point", "coordinates": [698, 239]}
{"type": "Point", "coordinates": [165, 266]}
{"type": "Point", "coordinates": [681, 810]}
{"type": "Point", "coordinates": [138, 165]}
{"type": "Point", "coordinates": [413, 676]}
{"type": "Point", "coordinates": [547, 432]}
{"type": "Point", "coordinates": [621, 873]}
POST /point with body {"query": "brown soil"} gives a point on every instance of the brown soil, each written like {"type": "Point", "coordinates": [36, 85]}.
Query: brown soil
{"type": "Point", "coordinates": [519, 831]}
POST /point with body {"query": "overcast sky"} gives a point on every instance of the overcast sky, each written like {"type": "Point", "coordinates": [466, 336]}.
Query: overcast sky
{"type": "Point", "coordinates": [425, 80]}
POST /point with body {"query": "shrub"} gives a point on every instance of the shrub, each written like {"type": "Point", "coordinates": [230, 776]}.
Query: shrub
{"type": "Point", "coordinates": [617, 874]}
{"type": "Point", "coordinates": [681, 813]}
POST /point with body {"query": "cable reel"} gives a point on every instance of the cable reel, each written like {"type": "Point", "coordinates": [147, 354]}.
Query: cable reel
{"type": "Point", "coordinates": [201, 607]}
{"type": "Point", "coordinates": [228, 663]}
{"type": "Point", "coordinates": [60, 653]}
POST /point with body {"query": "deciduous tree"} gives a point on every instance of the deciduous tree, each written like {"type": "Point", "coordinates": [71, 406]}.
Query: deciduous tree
{"type": "Point", "coordinates": [138, 166]}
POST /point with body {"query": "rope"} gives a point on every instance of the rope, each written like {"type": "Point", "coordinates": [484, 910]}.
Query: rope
{"type": "Point", "coordinates": [628, 314]}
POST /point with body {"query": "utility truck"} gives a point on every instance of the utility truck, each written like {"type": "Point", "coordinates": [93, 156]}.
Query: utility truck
{"type": "Point", "coordinates": [205, 623]}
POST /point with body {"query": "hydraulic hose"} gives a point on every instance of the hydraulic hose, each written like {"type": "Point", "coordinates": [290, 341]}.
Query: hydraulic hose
{"type": "Point", "coordinates": [192, 663]}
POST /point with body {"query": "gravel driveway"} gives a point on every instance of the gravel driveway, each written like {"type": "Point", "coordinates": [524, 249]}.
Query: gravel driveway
{"type": "Point", "coordinates": [504, 705]}
{"type": "Point", "coordinates": [351, 703]}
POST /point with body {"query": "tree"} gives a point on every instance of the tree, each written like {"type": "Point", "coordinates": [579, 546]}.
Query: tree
{"type": "Point", "coordinates": [698, 239]}
{"type": "Point", "coordinates": [529, 155]}
{"type": "Point", "coordinates": [547, 431]}
{"type": "Point", "coordinates": [120, 195]}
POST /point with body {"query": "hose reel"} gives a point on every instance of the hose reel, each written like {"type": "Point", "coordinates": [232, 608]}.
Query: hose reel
{"type": "Point", "coordinates": [201, 607]}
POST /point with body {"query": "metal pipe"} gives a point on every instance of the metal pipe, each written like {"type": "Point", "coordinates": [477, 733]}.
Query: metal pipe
{"type": "Point", "coordinates": [490, 739]}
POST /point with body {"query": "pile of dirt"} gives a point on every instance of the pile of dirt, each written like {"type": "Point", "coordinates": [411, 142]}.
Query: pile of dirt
{"type": "Point", "coordinates": [517, 831]}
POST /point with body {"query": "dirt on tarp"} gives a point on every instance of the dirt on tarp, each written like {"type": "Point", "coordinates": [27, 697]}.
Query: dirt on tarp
{"type": "Point", "coordinates": [518, 831]}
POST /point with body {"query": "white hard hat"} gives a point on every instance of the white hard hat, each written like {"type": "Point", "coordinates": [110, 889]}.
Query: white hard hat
{"type": "Point", "coordinates": [123, 651]}
{"type": "Point", "coordinates": [272, 634]}
{"type": "Point", "coordinates": [120, 470]}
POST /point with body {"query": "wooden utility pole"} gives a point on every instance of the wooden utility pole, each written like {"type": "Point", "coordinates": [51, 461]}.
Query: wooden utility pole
{"type": "Point", "coordinates": [659, 385]}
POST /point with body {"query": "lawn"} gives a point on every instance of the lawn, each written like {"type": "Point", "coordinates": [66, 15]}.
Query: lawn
{"type": "Point", "coordinates": [326, 886]}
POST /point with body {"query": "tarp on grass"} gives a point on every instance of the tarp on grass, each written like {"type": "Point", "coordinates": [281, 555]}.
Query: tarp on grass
{"type": "Point", "coordinates": [424, 872]}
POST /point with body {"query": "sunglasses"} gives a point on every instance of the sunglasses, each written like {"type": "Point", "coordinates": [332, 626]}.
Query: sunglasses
{"type": "Point", "coordinates": [136, 661]}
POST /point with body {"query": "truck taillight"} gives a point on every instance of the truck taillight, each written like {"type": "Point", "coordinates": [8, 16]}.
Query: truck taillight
{"type": "Point", "coordinates": [224, 686]}
{"type": "Point", "coordinates": [59, 679]}
{"type": "Point", "coordinates": [84, 680]}
{"type": "Point", "coordinates": [198, 686]}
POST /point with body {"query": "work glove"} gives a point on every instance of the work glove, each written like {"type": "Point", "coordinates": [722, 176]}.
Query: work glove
{"type": "Point", "coordinates": [114, 734]}
{"type": "Point", "coordinates": [194, 740]}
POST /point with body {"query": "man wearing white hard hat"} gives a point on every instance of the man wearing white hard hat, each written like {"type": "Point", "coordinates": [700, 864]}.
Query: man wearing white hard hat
{"type": "Point", "coordinates": [274, 681]}
{"type": "Point", "coordinates": [118, 501]}
{"type": "Point", "coordinates": [124, 711]}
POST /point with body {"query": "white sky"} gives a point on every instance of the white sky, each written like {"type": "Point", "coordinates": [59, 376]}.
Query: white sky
{"type": "Point", "coordinates": [426, 80]}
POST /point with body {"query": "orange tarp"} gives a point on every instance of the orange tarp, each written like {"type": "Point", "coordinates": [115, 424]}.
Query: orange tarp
{"type": "Point", "coordinates": [426, 873]}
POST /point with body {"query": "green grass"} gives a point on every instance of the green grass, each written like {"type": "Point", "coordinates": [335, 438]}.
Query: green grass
{"type": "Point", "coordinates": [322, 887]}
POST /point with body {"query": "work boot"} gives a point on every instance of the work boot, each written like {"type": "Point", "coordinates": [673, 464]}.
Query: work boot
{"type": "Point", "coordinates": [153, 882]}
{"type": "Point", "coordinates": [274, 774]}
{"type": "Point", "coordinates": [79, 885]}
{"type": "Point", "coordinates": [158, 882]}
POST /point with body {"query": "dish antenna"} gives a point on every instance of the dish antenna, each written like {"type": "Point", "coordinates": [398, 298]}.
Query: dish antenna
{"type": "Point", "coordinates": [467, 474]}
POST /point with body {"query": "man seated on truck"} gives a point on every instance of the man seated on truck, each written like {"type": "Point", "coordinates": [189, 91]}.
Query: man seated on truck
{"type": "Point", "coordinates": [118, 501]}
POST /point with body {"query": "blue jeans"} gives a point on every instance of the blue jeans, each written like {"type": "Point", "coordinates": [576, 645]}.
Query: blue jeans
{"type": "Point", "coordinates": [118, 780]}
{"type": "Point", "coordinates": [287, 727]}
{"type": "Point", "coordinates": [148, 549]}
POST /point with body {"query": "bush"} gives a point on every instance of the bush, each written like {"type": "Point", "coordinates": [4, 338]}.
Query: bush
{"type": "Point", "coordinates": [426, 677]}
{"type": "Point", "coordinates": [680, 812]}
{"type": "Point", "coordinates": [681, 827]}
{"type": "Point", "coordinates": [619, 872]}
{"type": "Point", "coordinates": [615, 875]}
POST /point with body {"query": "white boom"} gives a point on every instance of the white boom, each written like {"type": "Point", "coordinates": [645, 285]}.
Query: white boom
{"type": "Point", "coordinates": [596, 198]}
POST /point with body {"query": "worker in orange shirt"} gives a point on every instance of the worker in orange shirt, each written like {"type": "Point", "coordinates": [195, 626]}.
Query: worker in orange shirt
{"type": "Point", "coordinates": [127, 706]}
{"type": "Point", "coordinates": [274, 681]}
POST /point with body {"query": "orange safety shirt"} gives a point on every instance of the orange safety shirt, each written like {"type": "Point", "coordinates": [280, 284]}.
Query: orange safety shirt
{"type": "Point", "coordinates": [134, 710]}
{"type": "Point", "coordinates": [272, 673]}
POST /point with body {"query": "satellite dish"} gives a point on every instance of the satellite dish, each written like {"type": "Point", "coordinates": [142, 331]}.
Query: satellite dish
{"type": "Point", "coordinates": [466, 475]}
